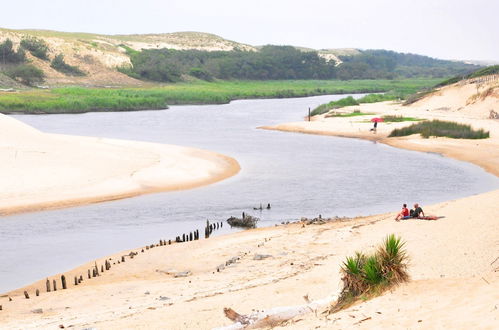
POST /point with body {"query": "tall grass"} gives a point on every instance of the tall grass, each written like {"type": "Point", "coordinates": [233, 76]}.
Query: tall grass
{"type": "Point", "coordinates": [365, 276]}
{"type": "Point", "coordinates": [80, 99]}
{"type": "Point", "coordinates": [441, 128]}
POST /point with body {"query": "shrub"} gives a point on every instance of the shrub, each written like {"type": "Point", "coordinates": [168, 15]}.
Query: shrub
{"type": "Point", "coordinates": [27, 74]}
{"type": "Point", "coordinates": [201, 74]}
{"type": "Point", "coordinates": [60, 65]}
{"type": "Point", "coordinates": [9, 55]}
{"type": "Point", "coordinates": [369, 275]}
{"type": "Point", "coordinates": [344, 102]}
{"type": "Point", "coordinates": [441, 128]}
{"type": "Point", "coordinates": [37, 47]}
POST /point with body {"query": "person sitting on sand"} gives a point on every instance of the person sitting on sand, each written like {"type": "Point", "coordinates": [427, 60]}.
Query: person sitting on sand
{"type": "Point", "coordinates": [404, 214]}
{"type": "Point", "coordinates": [417, 212]}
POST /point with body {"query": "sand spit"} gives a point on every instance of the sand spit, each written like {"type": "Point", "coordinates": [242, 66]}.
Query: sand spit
{"type": "Point", "coordinates": [41, 171]}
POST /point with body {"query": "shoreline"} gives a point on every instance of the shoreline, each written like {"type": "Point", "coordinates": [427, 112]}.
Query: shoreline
{"type": "Point", "coordinates": [460, 248]}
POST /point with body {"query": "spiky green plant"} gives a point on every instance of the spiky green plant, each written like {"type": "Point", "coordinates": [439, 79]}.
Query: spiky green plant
{"type": "Point", "coordinates": [393, 259]}
{"type": "Point", "coordinates": [366, 276]}
{"type": "Point", "coordinates": [352, 274]}
{"type": "Point", "coordinates": [371, 271]}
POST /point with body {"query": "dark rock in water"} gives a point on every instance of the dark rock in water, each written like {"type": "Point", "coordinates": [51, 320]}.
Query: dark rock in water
{"type": "Point", "coordinates": [247, 221]}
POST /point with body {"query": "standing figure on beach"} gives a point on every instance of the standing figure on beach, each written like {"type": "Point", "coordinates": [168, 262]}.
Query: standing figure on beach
{"type": "Point", "coordinates": [375, 126]}
{"type": "Point", "coordinates": [404, 214]}
{"type": "Point", "coordinates": [417, 212]}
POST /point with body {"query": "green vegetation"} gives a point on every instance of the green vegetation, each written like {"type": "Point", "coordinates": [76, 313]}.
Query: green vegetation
{"type": "Point", "coordinates": [60, 65]}
{"type": "Point", "coordinates": [494, 69]}
{"type": "Point", "coordinates": [37, 47]}
{"type": "Point", "coordinates": [351, 114]}
{"type": "Point", "coordinates": [399, 90]}
{"type": "Point", "coordinates": [441, 128]}
{"type": "Point", "coordinates": [9, 56]}
{"type": "Point", "coordinates": [385, 64]}
{"type": "Point", "coordinates": [284, 62]}
{"type": "Point", "coordinates": [344, 102]}
{"type": "Point", "coordinates": [79, 99]}
{"type": "Point", "coordinates": [366, 276]}
{"type": "Point", "coordinates": [398, 119]}
{"type": "Point", "coordinates": [26, 73]}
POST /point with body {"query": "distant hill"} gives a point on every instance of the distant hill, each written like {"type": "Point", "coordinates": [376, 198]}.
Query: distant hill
{"type": "Point", "coordinates": [93, 59]}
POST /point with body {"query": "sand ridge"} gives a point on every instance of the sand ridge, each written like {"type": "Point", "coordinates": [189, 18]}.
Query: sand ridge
{"type": "Point", "coordinates": [73, 170]}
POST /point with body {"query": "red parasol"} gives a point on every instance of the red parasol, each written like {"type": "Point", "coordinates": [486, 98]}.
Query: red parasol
{"type": "Point", "coordinates": [377, 119]}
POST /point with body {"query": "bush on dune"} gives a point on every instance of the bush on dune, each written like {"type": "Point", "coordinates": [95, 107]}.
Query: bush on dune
{"type": "Point", "coordinates": [441, 128]}
{"type": "Point", "coordinates": [366, 276]}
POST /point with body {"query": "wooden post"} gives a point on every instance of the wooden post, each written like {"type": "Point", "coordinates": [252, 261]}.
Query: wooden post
{"type": "Point", "coordinates": [76, 280]}
{"type": "Point", "coordinates": [63, 281]}
{"type": "Point", "coordinates": [80, 279]}
{"type": "Point", "coordinates": [54, 284]}
{"type": "Point", "coordinates": [169, 242]}
{"type": "Point", "coordinates": [37, 292]}
{"type": "Point", "coordinates": [102, 268]}
{"type": "Point", "coordinates": [309, 114]}
{"type": "Point", "coordinates": [26, 295]}
{"type": "Point", "coordinates": [183, 237]}
{"type": "Point", "coordinates": [0, 307]}
{"type": "Point", "coordinates": [47, 285]}
{"type": "Point", "coordinates": [89, 274]}
{"type": "Point", "coordinates": [190, 236]}
{"type": "Point", "coordinates": [122, 258]}
{"type": "Point", "coordinates": [96, 269]}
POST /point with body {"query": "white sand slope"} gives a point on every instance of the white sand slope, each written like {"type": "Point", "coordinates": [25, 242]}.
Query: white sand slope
{"type": "Point", "coordinates": [39, 170]}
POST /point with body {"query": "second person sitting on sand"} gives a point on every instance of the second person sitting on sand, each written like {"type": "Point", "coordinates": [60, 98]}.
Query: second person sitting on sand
{"type": "Point", "coordinates": [417, 212]}
{"type": "Point", "coordinates": [404, 214]}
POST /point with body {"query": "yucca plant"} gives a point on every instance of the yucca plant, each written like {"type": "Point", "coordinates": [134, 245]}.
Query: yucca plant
{"type": "Point", "coordinates": [353, 280]}
{"type": "Point", "coordinates": [371, 271]}
{"type": "Point", "coordinates": [366, 276]}
{"type": "Point", "coordinates": [393, 260]}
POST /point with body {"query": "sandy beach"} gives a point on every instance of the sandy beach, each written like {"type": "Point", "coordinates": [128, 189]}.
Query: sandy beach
{"type": "Point", "coordinates": [454, 261]}
{"type": "Point", "coordinates": [42, 171]}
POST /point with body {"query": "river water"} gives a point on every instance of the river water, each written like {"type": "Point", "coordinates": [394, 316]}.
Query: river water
{"type": "Point", "coordinates": [299, 174]}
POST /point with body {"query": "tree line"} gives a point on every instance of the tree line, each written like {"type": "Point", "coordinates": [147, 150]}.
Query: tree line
{"type": "Point", "coordinates": [283, 63]}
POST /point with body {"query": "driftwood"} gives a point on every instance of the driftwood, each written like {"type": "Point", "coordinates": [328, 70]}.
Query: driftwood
{"type": "Point", "coordinates": [275, 316]}
{"type": "Point", "coordinates": [247, 221]}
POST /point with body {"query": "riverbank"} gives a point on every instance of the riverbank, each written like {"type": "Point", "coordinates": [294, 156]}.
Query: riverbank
{"type": "Point", "coordinates": [81, 99]}
{"type": "Point", "coordinates": [45, 171]}
{"type": "Point", "coordinates": [268, 271]}
{"type": "Point", "coordinates": [448, 256]}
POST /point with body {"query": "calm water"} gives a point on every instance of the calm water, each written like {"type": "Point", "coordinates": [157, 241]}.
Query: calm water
{"type": "Point", "coordinates": [301, 175]}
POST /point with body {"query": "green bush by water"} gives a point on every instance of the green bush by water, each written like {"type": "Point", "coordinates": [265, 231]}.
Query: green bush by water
{"type": "Point", "coordinates": [441, 128]}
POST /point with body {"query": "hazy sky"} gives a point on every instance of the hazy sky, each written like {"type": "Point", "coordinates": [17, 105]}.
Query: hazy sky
{"type": "Point", "coordinates": [450, 29]}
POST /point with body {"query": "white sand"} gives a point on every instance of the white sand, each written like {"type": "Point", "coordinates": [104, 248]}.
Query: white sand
{"type": "Point", "coordinates": [40, 170]}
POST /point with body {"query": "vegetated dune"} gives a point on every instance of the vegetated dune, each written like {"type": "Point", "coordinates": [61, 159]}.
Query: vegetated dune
{"type": "Point", "coordinates": [477, 97]}
{"type": "Point", "coordinates": [40, 170]}
{"type": "Point", "coordinates": [99, 55]}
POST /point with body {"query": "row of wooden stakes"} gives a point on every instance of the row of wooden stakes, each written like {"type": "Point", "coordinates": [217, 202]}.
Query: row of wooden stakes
{"type": "Point", "coordinates": [51, 286]}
